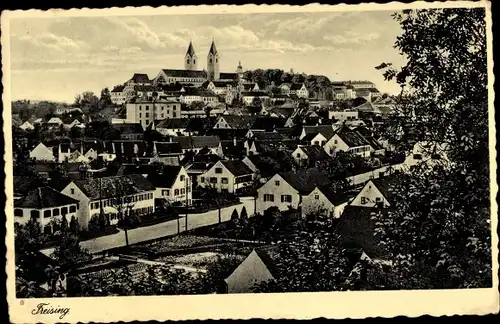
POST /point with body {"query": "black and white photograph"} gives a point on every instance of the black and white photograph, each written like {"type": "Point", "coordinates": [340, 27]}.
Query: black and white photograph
{"type": "Point", "coordinates": [248, 153]}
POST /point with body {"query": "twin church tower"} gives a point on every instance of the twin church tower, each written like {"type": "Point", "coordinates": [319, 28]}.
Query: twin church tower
{"type": "Point", "coordinates": [190, 61]}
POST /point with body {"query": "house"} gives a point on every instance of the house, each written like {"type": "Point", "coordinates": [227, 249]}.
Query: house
{"type": "Point", "coordinates": [231, 176]}
{"type": "Point", "coordinates": [42, 153]}
{"type": "Point", "coordinates": [369, 94]}
{"type": "Point", "coordinates": [172, 182]}
{"type": "Point", "coordinates": [285, 88]}
{"type": "Point", "coordinates": [234, 122]}
{"type": "Point", "coordinates": [192, 94]}
{"type": "Point", "coordinates": [124, 150]}
{"type": "Point", "coordinates": [251, 97]}
{"type": "Point", "coordinates": [231, 149]}
{"type": "Point", "coordinates": [368, 107]}
{"type": "Point", "coordinates": [309, 155]}
{"type": "Point", "coordinates": [144, 111]}
{"type": "Point", "coordinates": [117, 96]}
{"type": "Point", "coordinates": [349, 141]}
{"type": "Point", "coordinates": [300, 90]}
{"type": "Point", "coordinates": [130, 131]}
{"type": "Point", "coordinates": [169, 153]}
{"type": "Point", "coordinates": [326, 131]}
{"type": "Point", "coordinates": [378, 192]}
{"type": "Point", "coordinates": [286, 190]}
{"type": "Point", "coordinates": [45, 204]}
{"type": "Point", "coordinates": [258, 267]}
{"type": "Point", "coordinates": [27, 126]}
{"type": "Point", "coordinates": [248, 87]}
{"type": "Point", "coordinates": [112, 195]}
{"type": "Point", "coordinates": [169, 76]}
{"type": "Point", "coordinates": [323, 199]}
{"type": "Point", "coordinates": [197, 143]}
{"type": "Point", "coordinates": [54, 121]}
{"type": "Point", "coordinates": [24, 185]}
{"type": "Point", "coordinates": [139, 79]}
{"type": "Point", "coordinates": [431, 153]}
{"type": "Point", "coordinates": [343, 115]}
{"type": "Point", "coordinates": [173, 126]}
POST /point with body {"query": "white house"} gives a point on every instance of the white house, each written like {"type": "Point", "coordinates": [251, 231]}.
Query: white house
{"type": "Point", "coordinates": [300, 90]}
{"type": "Point", "coordinates": [54, 121]}
{"type": "Point", "coordinates": [324, 199]}
{"type": "Point", "coordinates": [42, 153]}
{"type": "Point", "coordinates": [229, 176]}
{"type": "Point", "coordinates": [27, 126]}
{"type": "Point", "coordinates": [44, 204]}
{"type": "Point", "coordinates": [172, 126]}
{"type": "Point", "coordinates": [286, 190]}
{"type": "Point", "coordinates": [256, 268]}
{"type": "Point", "coordinates": [378, 192]}
{"type": "Point", "coordinates": [285, 88]}
{"type": "Point", "coordinates": [117, 95]}
{"type": "Point", "coordinates": [306, 155]}
{"type": "Point", "coordinates": [172, 184]}
{"type": "Point", "coordinates": [249, 96]}
{"type": "Point", "coordinates": [125, 194]}
{"type": "Point", "coordinates": [349, 141]}
{"type": "Point", "coordinates": [343, 115]}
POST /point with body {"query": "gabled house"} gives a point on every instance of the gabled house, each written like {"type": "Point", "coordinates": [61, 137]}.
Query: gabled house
{"type": "Point", "coordinates": [251, 97]}
{"type": "Point", "coordinates": [323, 199]}
{"type": "Point", "coordinates": [173, 126]}
{"type": "Point", "coordinates": [230, 176]}
{"type": "Point", "coordinates": [300, 90]}
{"type": "Point", "coordinates": [45, 204]}
{"type": "Point", "coordinates": [258, 267]}
{"type": "Point", "coordinates": [286, 190]}
{"type": "Point", "coordinates": [235, 122]}
{"type": "Point", "coordinates": [130, 131]}
{"type": "Point", "coordinates": [23, 185]}
{"type": "Point", "coordinates": [231, 149]}
{"type": "Point", "coordinates": [250, 87]}
{"type": "Point", "coordinates": [378, 192]}
{"type": "Point", "coordinates": [112, 195]}
{"type": "Point", "coordinates": [349, 141]}
{"type": "Point", "coordinates": [117, 96]}
{"type": "Point", "coordinates": [169, 153]}
{"type": "Point", "coordinates": [327, 131]}
{"type": "Point", "coordinates": [285, 88]}
{"type": "Point", "coordinates": [54, 121]}
{"type": "Point", "coordinates": [124, 150]}
{"type": "Point", "coordinates": [26, 126]}
{"type": "Point", "coordinates": [197, 143]}
{"type": "Point", "coordinates": [309, 155]}
{"type": "Point", "coordinates": [42, 153]}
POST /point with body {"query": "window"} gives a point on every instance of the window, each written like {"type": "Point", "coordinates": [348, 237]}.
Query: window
{"type": "Point", "coordinates": [72, 191]}
{"type": "Point", "coordinates": [213, 180]}
{"type": "Point", "coordinates": [147, 107]}
{"type": "Point", "coordinates": [316, 197]}
{"type": "Point", "coordinates": [298, 156]}
{"type": "Point", "coordinates": [224, 180]}
{"type": "Point", "coordinates": [162, 116]}
{"type": "Point", "coordinates": [18, 212]}
{"type": "Point", "coordinates": [210, 60]}
{"type": "Point", "coordinates": [363, 200]}
{"type": "Point", "coordinates": [187, 61]}
{"type": "Point", "coordinates": [182, 178]}
{"type": "Point", "coordinates": [334, 141]}
{"type": "Point", "coordinates": [35, 214]}
{"type": "Point", "coordinates": [378, 199]}
{"type": "Point", "coordinates": [168, 112]}
{"type": "Point", "coordinates": [286, 198]}
{"type": "Point", "coordinates": [165, 192]}
{"type": "Point", "coordinates": [147, 122]}
{"type": "Point", "coordinates": [268, 197]}
{"type": "Point", "coordinates": [417, 156]}
{"type": "Point", "coordinates": [140, 115]}
{"type": "Point", "coordinates": [147, 115]}
{"type": "Point", "coordinates": [316, 142]}
{"type": "Point", "coordinates": [47, 229]}
{"type": "Point", "coordinates": [218, 170]}
{"type": "Point", "coordinates": [202, 179]}
{"type": "Point", "coordinates": [174, 114]}
{"type": "Point", "coordinates": [276, 183]}
{"type": "Point", "coordinates": [64, 210]}
{"type": "Point", "coordinates": [176, 192]}
{"type": "Point", "coordinates": [140, 107]}
{"type": "Point", "coordinates": [55, 211]}
{"type": "Point", "coordinates": [183, 191]}
{"type": "Point", "coordinates": [47, 213]}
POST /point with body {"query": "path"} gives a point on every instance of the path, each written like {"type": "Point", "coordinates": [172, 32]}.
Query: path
{"type": "Point", "coordinates": [141, 234]}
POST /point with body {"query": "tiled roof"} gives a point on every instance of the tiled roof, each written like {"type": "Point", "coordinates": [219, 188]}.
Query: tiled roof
{"type": "Point", "coordinates": [237, 167]}
{"type": "Point", "coordinates": [185, 73]}
{"type": "Point", "coordinates": [356, 228]}
{"type": "Point", "coordinates": [118, 89]}
{"type": "Point", "coordinates": [129, 128]}
{"type": "Point", "coordinates": [387, 185]}
{"type": "Point", "coordinates": [110, 187]}
{"type": "Point", "coordinates": [227, 134]}
{"type": "Point", "coordinates": [268, 136]}
{"type": "Point", "coordinates": [167, 148]}
{"type": "Point", "coordinates": [304, 181]}
{"type": "Point", "coordinates": [140, 78]}
{"type": "Point", "coordinates": [269, 255]}
{"type": "Point", "coordinates": [44, 197]}
{"type": "Point", "coordinates": [315, 152]}
{"type": "Point", "coordinates": [145, 88]}
{"type": "Point", "coordinates": [326, 130]}
{"type": "Point", "coordinates": [296, 86]}
{"type": "Point", "coordinates": [242, 122]}
{"type": "Point", "coordinates": [196, 142]}
{"type": "Point", "coordinates": [213, 49]}
{"type": "Point", "coordinates": [353, 139]}
{"type": "Point", "coordinates": [173, 123]}
{"type": "Point", "coordinates": [200, 124]}
{"type": "Point", "coordinates": [166, 176]}
{"type": "Point", "coordinates": [248, 86]}
{"type": "Point", "coordinates": [268, 123]}
{"type": "Point", "coordinates": [231, 150]}
{"type": "Point", "coordinates": [336, 198]}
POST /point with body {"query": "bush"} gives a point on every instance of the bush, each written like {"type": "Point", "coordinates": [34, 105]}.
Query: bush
{"type": "Point", "coordinates": [244, 214]}
{"type": "Point", "coordinates": [234, 215]}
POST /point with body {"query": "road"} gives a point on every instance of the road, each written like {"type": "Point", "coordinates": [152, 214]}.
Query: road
{"type": "Point", "coordinates": [152, 232]}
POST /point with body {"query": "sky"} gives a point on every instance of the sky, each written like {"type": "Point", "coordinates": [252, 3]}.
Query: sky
{"type": "Point", "coordinates": [56, 58]}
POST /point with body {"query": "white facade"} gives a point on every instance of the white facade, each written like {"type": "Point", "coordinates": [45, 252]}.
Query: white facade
{"type": "Point", "coordinates": [42, 153]}
{"type": "Point", "coordinates": [301, 93]}
{"type": "Point", "coordinates": [276, 192]}
{"type": "Point", "coordinates": [220, 178]}
{"type": "Point", "coordinates": [316, 201]}
{"type": "Point", "coordinates": [249, 273]}
{"type": "Point", "coordinates": [27, 126]}
{"type": "Point", "coordinates": [144, 112]}
{"type": "Point", "coordinates": [248, 99]}
{"type": "Point", "coordinates": [336, 144]}
{"type": "Point", "coordinates": [180, 190]}
{"type": "Point", "coordinates": [118, 97]}
{"type": "Point", "coordinates": [45, 216]}
{"type": "Point", "coordinates": [343, 115]}
{"type": "Point", "coordinates": [369, 196]}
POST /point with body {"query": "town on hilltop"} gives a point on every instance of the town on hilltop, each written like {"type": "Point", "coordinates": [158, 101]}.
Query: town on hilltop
{"type": "Point", "coordinates": [204, 181]}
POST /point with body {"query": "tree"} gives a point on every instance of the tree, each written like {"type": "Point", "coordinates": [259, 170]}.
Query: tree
{"type": "Point", "coordinates": [439, 231]}
{"type": "Point", "coordinates": [243, 214]}
{"type": "Point", "coordinates": [234, 216]}
{"type": "Point", "coordinates": [69, 254]}
{"type": "Point", "coordinates": [105, 99]}
{"type": "Point", "coordinates": [28, 241]}
{"type": "Point", "coordinates": [74, 227]}
{"type": "Point", "coordinates": [197, 105]}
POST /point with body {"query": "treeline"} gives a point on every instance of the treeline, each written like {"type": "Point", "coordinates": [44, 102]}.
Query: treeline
{"type": "Point", "coordinates": [319, 86]}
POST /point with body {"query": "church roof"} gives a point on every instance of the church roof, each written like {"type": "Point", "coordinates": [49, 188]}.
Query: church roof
{"type": "Point", "coordinates": [185, 73]}
{"type": "Point", "coordinates": [190, 50]}
{"type": "Point", "coordinates": [213, 50]}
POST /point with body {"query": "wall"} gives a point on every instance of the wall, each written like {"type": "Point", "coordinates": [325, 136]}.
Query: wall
{"type": "Point", "coordinates": [43, 221]}
{"type": "Point", "coordinates": [249, 273]}
{"type": "Point", "coordinates": [84, 210]}
{"type": "Point", "coordinates": [370, 193]}
{"type": "Point", "coordinates": [219, 185]}
{"type": "Point", "coordinates": [42, 153]}
{"type": "Point", "coordinates": [283, 189]}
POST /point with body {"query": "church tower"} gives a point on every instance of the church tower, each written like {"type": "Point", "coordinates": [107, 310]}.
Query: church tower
{"type": "Point", "coordinates": [239, 70]}
{"type": "Point", "coordinates": [213, 63]}
{"type": "Point", "coordinates": [190, 58]}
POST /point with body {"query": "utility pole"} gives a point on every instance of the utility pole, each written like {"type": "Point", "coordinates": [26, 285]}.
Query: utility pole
{"type": "Point", "coordinates": [187, 187]}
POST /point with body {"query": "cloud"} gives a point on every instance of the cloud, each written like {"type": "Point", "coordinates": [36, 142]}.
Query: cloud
{"type": "Point", "coordinates": [53, 42]}
{"type": "Point", "coordinates": [351, 37]}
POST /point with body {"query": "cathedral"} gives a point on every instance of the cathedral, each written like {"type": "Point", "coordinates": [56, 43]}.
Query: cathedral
{"type": "Point", "coordinates": [192, 75]}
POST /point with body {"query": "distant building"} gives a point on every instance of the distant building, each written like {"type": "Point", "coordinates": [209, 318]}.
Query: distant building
{"type": "Point", "coordinates": [42, 153]}
{"type": "Point", "coordinates": [230, 176]}
{"type": "Point", "coordinates": [145, 111]}
{"type": "Point", "coordinates": [117, 95]}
